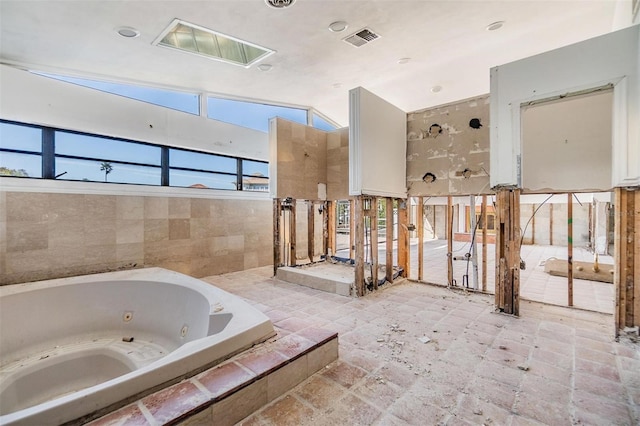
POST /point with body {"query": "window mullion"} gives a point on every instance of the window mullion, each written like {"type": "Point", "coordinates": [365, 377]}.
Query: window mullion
{"type": "Point", "coordinates": [48, 153]}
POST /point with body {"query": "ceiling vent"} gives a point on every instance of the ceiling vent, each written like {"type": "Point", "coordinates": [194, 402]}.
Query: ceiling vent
{"type": "Point", "coordinates": [279, 4]}
{"type": "Point", "coordinates": [361, 38]}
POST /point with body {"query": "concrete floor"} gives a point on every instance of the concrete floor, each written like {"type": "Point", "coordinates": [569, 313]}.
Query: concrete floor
{"type": "Point", "coordinates": [535, 284]}
{"type": "Point", "coordinates": [553, 365]}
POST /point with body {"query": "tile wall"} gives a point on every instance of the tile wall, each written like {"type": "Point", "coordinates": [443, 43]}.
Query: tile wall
{"type": "Point", "coordinates": [52, 235]}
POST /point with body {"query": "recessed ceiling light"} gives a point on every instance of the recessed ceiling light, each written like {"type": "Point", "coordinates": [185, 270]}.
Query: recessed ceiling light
{"type": "Point", "coordinates": [338, 26]}
{"type": "Point", "coordinates": [279, 4]}
{"type": "Point", "coordinates": [128, 32]}
{"type": "Point", "coordinates": [436, 89]}
{"type": "Point", "coordinates": [495, 26]}
{"type": "Point", "coordinates": [403, 61]}
{"type": "Point", "coordinates": [265, 67]}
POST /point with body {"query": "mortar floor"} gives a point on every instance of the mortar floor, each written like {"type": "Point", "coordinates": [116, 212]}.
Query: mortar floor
{"type": "Point", "coordinates": [552, 366]}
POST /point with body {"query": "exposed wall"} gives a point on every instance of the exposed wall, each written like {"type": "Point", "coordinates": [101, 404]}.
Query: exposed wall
{"type": "Point", "coordinates": [50, 235]}
{"type": "Point", "coordinates": [377, 146]}
{"type": "Point", "coordinates": [35, 99]}
{"type": "Point", "coordinates": [338, 164]}
{"type": "Point", "coordinates": [566, 144]}
{"type": "Point", "coordinates": [611, 58]}
{"type": "Point", "coordinates": [443, 142]}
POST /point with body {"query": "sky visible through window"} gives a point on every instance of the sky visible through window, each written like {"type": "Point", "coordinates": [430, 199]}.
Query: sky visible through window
{"type": "Point", "coordinates": [95, 150]}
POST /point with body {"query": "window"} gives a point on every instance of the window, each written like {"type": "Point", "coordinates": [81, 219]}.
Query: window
{"type": "Point", "coordinates": [321, 123]}
{"type": "Point", "coordinates": [42, 152]}
{"type": "Point", "coordinates": [180, 101]}
{"type": "Point", "coordinates": [250, 114]}
{"type": "Point", "coordinates": [20, 150]}
{"type": "Point", "coordinates": [200, 170]}
{"type": "Point", "coordinates": [490, 217]}
{"type": "Point", "coordinates": [97, 159]}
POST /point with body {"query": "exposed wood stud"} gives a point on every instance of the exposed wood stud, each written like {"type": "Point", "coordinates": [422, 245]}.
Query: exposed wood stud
{"type": "Point", "coordinates": [292, 233]}
{"type": "Point", "coordinates": [357, 220]}
{"type": "Point", "coordinates": [352, 231]}
{"type": "Point", "coordinates": [331, 227]}
{"type": "Point", "coordinates": [277, 212]}
{"type": "Point", "coordinates": [533, 224]}
{"type": "Point", "coordinates": [373, 220]}
{"type": "Point", "coordinates": [389, 239]}
{"type": "Point", "coordinates": [627, 257]}
{"type": "Point", "coordinates": [550, 224]}
{"type": "Point", "coordinates": [483, 213]}
{"type": "Point", "coordinates": [311, 218]}
{"type": "Point", "coordinates": [570, 249]}
{"type": "Point", "coordinates": [508, 250]}
{"type": "Point", "coordinates": [449, 236]}
{"type": "Point", "coordinates": [420, 224]}
{"type": "Point", "coordinates": [403, 237]}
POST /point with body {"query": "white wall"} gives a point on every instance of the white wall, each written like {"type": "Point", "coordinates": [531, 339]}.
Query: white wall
{"type": "Point", "coordinates": [612, 58]}
{"type": "Point", "coordinates": [377, 146]}
{"type": "Point", "coordinates": [35, 99]}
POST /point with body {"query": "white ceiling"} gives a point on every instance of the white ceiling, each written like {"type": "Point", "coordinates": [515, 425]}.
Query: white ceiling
{"type": "Point", "coordinates": [447, 41]}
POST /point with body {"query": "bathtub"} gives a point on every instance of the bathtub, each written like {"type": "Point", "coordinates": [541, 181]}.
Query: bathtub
{"type": "Point", "coordinates": [75, 346]}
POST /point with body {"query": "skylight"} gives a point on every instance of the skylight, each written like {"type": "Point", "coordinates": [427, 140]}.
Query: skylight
{"type": "Point", "coordinates": [201, 41]}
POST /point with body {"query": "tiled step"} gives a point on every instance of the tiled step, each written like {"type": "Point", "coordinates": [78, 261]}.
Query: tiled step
{"type": "Point", "coordinates": [231, 391]}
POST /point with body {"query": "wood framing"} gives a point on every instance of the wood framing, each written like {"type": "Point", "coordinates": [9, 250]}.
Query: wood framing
{"type": "Point", "coordinates": [389, 239]}
{"type": "Point", "coordinates": [403, 237]}
{"type": "Point", "coordinates": [358, 223]}
{"type": "Point", "coordinates": [627, 258]}
{"type": "Point", "coordinates": [277, 212]}
{"type": "Point", "coordinates": [352, 230]}
{"type": "Point", "coordinates": [483, 213]}
{"type": "Point", "coordinates": [508, 250]}
{"type": "Point", "coordinates": [330, 228]}
{"type": "Point", "coordinates": [292, 233]}
{"type": "Point", "coordinates": [311, 219]}
{"type": "Point", "coordinates": [373, 228]}
{"type": "Point", "coordinates": [449, 233]}
{"type": "Point", "coordinates": [420, 225]}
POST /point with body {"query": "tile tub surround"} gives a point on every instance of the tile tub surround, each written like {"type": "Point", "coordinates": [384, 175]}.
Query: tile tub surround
{"type": "Point", "coordinates": [45, 235]}
{"type": "Point", "coordinates": [233, 390]}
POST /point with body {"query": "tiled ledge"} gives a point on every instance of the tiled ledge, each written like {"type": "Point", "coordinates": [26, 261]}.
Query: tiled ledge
{"type": "Point", "coordinates": [240, 386]}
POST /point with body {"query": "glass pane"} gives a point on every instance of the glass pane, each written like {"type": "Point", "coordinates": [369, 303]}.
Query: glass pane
{"type": "Point", "coordinates": [191, 179]}
{"type": "Point", "coordinates": [255, 168]}
{"type": "Point", "coordinates": [24, 165]}
{"type": "Point", "coordinates": [322, 124]}
{"type": "Point", "coordinates": [98, 171]}
{"type": "Point", "coordinates": [201, 161]}
{"type": "Point", "coordinates": [491, 222]}
{"type": "Point", "coordinates": [252, 115]}
{"type": "Point", "coordinates": [14, 136]}
{"type": "Point", "coordinates": [180, 101]}
{"type": "Point", "coordinates": [106, 149]}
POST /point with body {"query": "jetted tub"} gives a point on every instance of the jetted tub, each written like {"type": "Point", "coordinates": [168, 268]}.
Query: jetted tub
{"type": "Point", "coordinates": [72, 346]}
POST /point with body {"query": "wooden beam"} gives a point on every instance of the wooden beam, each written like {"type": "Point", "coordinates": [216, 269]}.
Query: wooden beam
{"type": "Point", "coordinates": [311, 231]}
{"type": "Point", "coordinates": [277, 212]}
{"type": "Point", "coordinates": [352, 230]}
{"type": "Point", "coordinates": [420, 225]}
{"type": "Point", "coordinates": [389, 239]}
{"type": "Point", "coordinates": [330, 229]}
{"type": "Point", "coordinates": [403, 236]}
{"type": "Point", "coordinates": [357, 219]}
{"type": "Point", "coordinates": [627, 257]}
{"type": "Point", "coordinates": [508, 250]}
{"type": "Point", "coordinates": [483, 213]}
{"type": "Point", "coordinates": [570, 249]}
{"type": "Point", "coordinates": [292, 233]}
{"type": "Point", "coordinates": [449, 235]}
{"type": "Point", "coordinates": [373, 220]}
{"type": "Point", "coordinates": [533, 224]}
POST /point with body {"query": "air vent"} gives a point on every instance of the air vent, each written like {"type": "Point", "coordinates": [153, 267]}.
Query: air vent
{"type": "Point", "coordinates": [361, 38]}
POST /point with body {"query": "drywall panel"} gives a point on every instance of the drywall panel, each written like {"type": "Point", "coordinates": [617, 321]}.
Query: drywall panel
{"type": "Point", "coordinates": [451, 144]}
{"type": "Point", "coordinates": [377, 146]}
{"type": "Point", "coordinates": [611, 58]}
{"type": "Point", "coordinates": [338, 164]}
{"type": "Point", "coordinates": [566, 144]}
{"type": "Point", "coordinates": [298, 160]}
{"type": "Point", "coordinates": [35, 99]}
